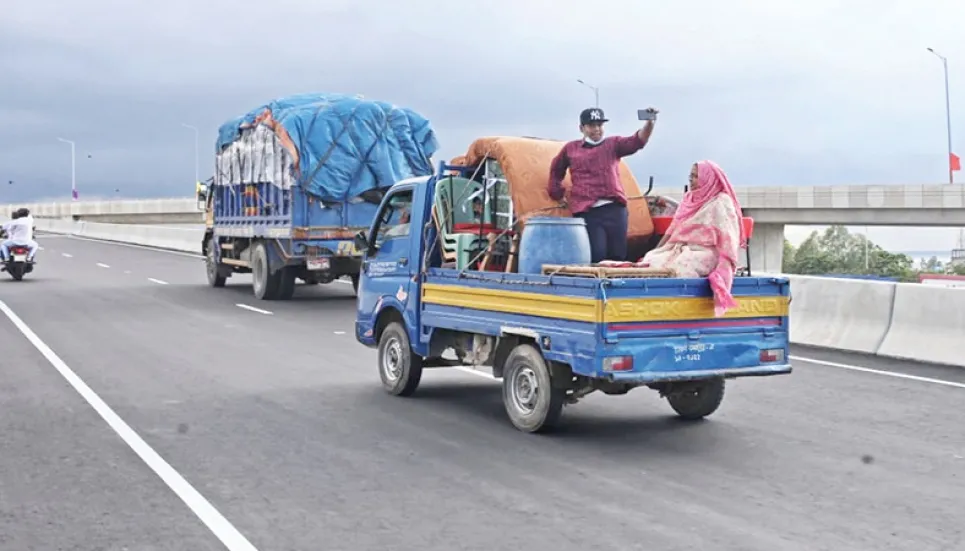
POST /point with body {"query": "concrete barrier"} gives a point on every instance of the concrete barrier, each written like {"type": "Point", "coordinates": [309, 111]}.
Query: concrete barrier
{"type": "Point", "coordinates": [163, 237]}
{"type": "Point", "coordinates": [843, 314]}
{"type": "Point", "coordinates": [928, 325]}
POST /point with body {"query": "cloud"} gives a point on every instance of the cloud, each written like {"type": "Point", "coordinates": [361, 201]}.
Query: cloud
{"type": "Point", "coordinates": [816, 92]}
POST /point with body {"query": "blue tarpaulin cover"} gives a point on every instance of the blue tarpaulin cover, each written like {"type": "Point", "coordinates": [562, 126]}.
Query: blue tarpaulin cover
{"type": "Point", "coordinates": [345, 145]}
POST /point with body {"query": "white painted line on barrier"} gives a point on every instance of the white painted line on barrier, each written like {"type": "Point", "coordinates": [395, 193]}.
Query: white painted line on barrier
{"type": "Point", "coordinates": [158, 281]}
{"type": "Point", "coordinates": [878, 372]}
{"type": "Point", "coordinates": [67, 255]}
{"type": "Point", "coordinates": [201, 507]}
{"type": "Point", "coordinates": [136, 246]}
{"type": "Point", "coordinates": [253, 309]}
{"type": "Point", "coordinates": [102, 265]}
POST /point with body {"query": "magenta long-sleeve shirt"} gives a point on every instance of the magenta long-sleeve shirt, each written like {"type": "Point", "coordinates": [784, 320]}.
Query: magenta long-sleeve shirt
{"type": "Point", "coordinates": [594, 171]}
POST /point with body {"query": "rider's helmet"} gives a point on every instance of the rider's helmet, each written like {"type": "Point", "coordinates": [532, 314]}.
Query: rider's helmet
{"type": "Point", "coordinates": [22, 212]}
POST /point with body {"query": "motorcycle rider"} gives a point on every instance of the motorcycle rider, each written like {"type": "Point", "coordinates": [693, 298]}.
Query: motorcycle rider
{"type": "Point", "coordinates": [19, 231]}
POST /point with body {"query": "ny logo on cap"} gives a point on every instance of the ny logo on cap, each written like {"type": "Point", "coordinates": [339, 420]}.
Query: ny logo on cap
{"type": "Point", "coordinates": [595, 115]}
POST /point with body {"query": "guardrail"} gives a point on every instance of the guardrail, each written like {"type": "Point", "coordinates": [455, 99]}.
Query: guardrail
{"type": "Point", "coordinates": [900, 320]}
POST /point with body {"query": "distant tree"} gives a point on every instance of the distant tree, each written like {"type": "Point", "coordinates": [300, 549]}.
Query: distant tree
{"type": "Point", "coordinates": [837, 251]}
{"type": "Point", "coordinates": [932, 265]}
{"type": "Point", "coordinates": [787, 261]}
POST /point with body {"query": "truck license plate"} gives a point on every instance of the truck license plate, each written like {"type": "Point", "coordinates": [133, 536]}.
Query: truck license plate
{"type": "Point", "coordinates": [318, 263]}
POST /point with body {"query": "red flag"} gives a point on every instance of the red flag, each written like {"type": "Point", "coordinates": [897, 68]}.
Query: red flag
{"type": "Point", "coordinates": [954, 163]}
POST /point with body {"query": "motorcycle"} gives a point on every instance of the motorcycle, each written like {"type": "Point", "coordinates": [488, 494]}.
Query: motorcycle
{"type": "Point", "coordinates": [17, 264]}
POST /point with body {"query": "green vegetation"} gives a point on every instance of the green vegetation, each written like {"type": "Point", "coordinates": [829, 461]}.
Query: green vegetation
{"type": "Point", "coordinates": [837, 251]}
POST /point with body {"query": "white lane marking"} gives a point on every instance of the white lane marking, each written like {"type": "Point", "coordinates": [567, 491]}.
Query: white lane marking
{"type": "Point", "coordinates": [339, 332]}
{"type": "Point", "coordinates": [102, 265]}
{"type": "Point", "coordinates": [478, 373]}
{"type": "Point", "coordinates": [127, 271]}
{"type": "Point", "coordinates": [475, 372]}
{"type": "Point", "coordinates": [67, 255]}
{"type": "Point", "coordinates": [201, 507]}
{"type": "Point", "coordinates": [878, 372]}
{"type": "Point", "coordinates": [158, 281]}
{"type": "Point", "coordinates": [253, 309]}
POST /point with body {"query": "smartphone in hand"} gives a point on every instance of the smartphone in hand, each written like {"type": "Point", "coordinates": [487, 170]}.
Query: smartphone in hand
{"type": "Point", "coordinates": [647, 114]}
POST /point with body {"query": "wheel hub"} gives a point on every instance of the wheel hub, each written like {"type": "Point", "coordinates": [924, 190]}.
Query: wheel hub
{"type": "Point", "coordinates": [392, 360]}
{"type": "Point", "coordinates": [525, 390]}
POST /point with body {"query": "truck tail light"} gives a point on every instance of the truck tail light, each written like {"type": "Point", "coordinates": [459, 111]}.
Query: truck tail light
{"type": "Point", "coordinates": [772, 355]}
{"type": "Point", "coordinates": [618, 363]}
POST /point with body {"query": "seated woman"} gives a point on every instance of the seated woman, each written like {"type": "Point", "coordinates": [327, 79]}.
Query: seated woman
{"type": "Point", "coordinates": [705, 236]}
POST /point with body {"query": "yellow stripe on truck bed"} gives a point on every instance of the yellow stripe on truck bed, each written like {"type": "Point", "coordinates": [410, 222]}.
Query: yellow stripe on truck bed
{"type": "Point", "coordinates": [620, 310]}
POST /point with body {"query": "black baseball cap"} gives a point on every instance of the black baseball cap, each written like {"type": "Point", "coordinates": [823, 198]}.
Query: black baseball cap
{"type": "Point", "coordinates": [591, 115]}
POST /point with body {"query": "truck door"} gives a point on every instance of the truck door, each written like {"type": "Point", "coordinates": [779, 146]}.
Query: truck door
{"type": "Point", "coordinates": [387, 269]}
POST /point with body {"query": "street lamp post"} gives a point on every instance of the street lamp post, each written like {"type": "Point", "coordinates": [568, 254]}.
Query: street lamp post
{"type": "Point", "coordinates": [197, 174]}
{"type": "Point", "coordinates": [948, 115]}
{"type": "Point", "coordinates": [73, 168]}
{"type": "Point", "coordinates": [596, 91]}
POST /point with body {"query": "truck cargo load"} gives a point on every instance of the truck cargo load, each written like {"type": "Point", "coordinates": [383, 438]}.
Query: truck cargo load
{"type": "Point", "coordinates": [294, 180]}
{"type": "Point", "coordinates": [334, 146]}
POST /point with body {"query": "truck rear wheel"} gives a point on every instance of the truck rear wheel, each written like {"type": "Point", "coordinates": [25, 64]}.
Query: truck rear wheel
{"type": "Point", "coordinates": [286, 283]}
{"type": "Point", "coordinates": [698, 401]}
{"type": "Point", "coordinates": [399, 368]}
{"type": "Point", "coordinates": [265, 284]}
{"type": "Point", "coordinates": [531, 400]}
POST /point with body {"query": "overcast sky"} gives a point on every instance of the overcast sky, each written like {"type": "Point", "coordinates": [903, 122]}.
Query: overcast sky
{"type": "Point", "coordinates": [792, 92]}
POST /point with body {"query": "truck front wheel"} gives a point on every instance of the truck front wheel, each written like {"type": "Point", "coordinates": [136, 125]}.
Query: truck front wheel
{"type": "Point", "coordinates": [531, 400]}
{"type": "Point", "coordinates": [214, 269]}
{"type": "Point", "coordinates": [399, 368]}
{"type": "Point", "coordinates": [699, 400]}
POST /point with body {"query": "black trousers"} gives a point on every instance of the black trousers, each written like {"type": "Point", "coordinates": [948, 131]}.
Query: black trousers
{"type": "Point", "coordinates": [607, 228]}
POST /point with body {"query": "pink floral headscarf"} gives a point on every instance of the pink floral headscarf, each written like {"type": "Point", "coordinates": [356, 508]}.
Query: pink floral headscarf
{"type": "Point", "coordinates": [711, 181]}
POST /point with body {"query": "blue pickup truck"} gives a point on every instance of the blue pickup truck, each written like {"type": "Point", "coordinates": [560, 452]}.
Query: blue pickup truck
{"type": "Point", "coordinates": [552, 339]}
{"type": "Point", "coordinates": [296, 178]}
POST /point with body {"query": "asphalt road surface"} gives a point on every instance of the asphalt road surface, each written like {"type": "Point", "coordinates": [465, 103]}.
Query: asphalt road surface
{"type": "Point", "coordinates": [145, 410]}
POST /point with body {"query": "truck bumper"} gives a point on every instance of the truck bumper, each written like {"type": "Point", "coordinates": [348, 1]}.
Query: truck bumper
{"type": "Point", "coordinates": [648, 377]}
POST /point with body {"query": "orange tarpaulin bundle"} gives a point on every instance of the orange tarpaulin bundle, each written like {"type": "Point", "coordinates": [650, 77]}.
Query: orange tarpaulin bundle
{"type": "Point", "coordinates": [526, 164]}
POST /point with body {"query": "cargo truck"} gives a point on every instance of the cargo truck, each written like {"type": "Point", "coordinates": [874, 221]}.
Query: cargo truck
{"type": "Point", "coordinates": [296, 178]}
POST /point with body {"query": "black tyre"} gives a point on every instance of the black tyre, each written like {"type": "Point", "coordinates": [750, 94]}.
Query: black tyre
{"type": "Point", "coordinates": [265, 284]}
{"type": "Point", "coordinates": [213, 269]}
{"type": "Point", "coordinates": [355, 284]}
{"type": "Point", "coordinates": [531, 401]}
{"type": "Point", "coordinates": [286, 283]}
{"type": "Point", "coordinates": [699, 401]}
{"type": "Point", "coordinates": [399, 369]}
{"type": "Point", "coordinates": [16, 272]}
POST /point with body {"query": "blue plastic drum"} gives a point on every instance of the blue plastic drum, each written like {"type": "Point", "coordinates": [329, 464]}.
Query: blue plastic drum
{"type": "Point", "coordinates": [553, 240]}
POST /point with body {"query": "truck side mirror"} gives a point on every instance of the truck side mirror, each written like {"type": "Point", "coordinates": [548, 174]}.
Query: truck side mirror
{"type": "Point", "coordinates": [361, 241]}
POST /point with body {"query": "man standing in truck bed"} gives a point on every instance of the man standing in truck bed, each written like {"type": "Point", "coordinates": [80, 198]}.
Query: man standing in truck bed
{"type": "Point", "coordinates": [597, 195]}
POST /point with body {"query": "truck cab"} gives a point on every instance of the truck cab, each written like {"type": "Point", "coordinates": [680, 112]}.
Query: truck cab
{"type": "Point", "coordinates": [392, 251]}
